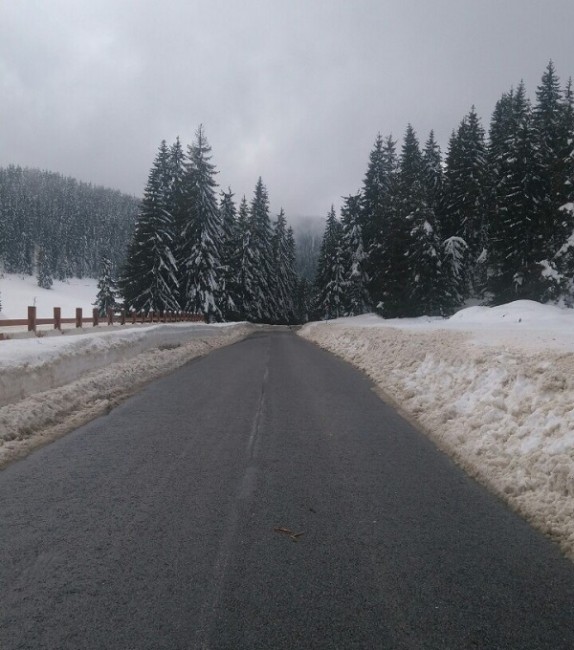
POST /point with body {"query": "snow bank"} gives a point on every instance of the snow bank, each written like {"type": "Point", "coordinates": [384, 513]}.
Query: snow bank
{"type": "Point", "coordinates": [49, 386]}
{"type": "Point", "coordinates": [28, 366]}
{"type": "Point", "coordinates": [497, 400]}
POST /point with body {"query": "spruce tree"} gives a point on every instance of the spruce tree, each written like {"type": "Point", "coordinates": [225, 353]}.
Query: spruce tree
{"type": "Point", "coordinates": [330, 282]}
{"type": "Point", "coordinates": [45, 280]}
{"type": "Point", "coordinates": [202, 236]}
{"type": "Point", "coordinates": [260, 304]}
{"type": "Point", "coordinates": [565, 253]}
{"type": "Point", "coordinates": [283, 270]}
{"type": "Point", "coordinates": [243, 261]}
{"type": "Point", "coordinates": [427, 284]}
{"type": "Point", "coordinates": [454, 282]}
{"type": "Point", "coordinates": [433, 176]}
{"type": "Point", "coordinates": [550, 143]}
{"type": "Point", "coordinates": [518, 193]}
{"type": "Point", "coordinates": [357, 300]}
{"type": "Point", "coordinates": [394, 274]}
{"type": "Point", "coordinates": [106, 297]}
{"type": "Point", "coordinates": [465, 198]}
{"type": "Point", "coordinates": [379, 188]}
{"type": "Point", "coordinates": [149, 279]}
{"type": "Point", "coordinates": [230, 260]}
{"type": "Point", "coordinates": [303, 297]}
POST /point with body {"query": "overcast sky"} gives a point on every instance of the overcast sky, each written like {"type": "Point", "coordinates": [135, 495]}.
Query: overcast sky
{"type": "Point", "coordinates": [294, 91]}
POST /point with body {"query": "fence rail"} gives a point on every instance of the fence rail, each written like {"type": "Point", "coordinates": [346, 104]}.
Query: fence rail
{"type": "Point", "coordinates": [110, 318]}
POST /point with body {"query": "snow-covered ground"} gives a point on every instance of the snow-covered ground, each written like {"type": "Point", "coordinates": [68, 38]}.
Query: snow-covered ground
{"type": "Point", "coordinates": [17, 292]}
{"type": "Point", "coordinates": [494, 387]}
{"type": "Point", "coordinates": [53, 383]}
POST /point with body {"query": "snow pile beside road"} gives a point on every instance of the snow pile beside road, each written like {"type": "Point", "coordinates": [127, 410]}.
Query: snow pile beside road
{"type": "Point", "coordinates": [49, 386]}
{"type": "Point", "coordinates": [493, 387]}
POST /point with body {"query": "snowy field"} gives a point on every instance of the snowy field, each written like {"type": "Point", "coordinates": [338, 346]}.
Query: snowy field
{"type": "Point", "coordinates": [493, 387]}
{"type": "Point", "coordinates": [51, 384]}
{"type": "Point", "coordinates": [18, 292]}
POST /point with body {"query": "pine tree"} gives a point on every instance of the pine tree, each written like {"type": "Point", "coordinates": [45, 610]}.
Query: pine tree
{"type": "Point", "coordinates": [565, 254]}
{"type": "Point", "coordinates": [246, 269]}
{"type": "Point", "coordinates": [357, 300]}
{"type": "Point", "coordinates": [149, 279]}
{"type": "Point", "coordinates": [202, 235]}
{"type": "Point", "coordinates": [260, 304]}
{"type": "Point", "coordinates": [283, 270]}
{"type": "Point", "coordinates": [303, 299]}
{"type": "Point", "coordinates": [424, 255]}
{"type": "Point", "coordinates": [330, 283]}
{"type": "Point", "coordinates": [550, 142]}
{"type": "Point", "coordinates": [465, 201]}
{"type": "Point", "coordinates": [379, 188]}
{"type": "Point", "coordinates": [433, 176]}
{"type": "Point", "coordinates": [230, 260]}
{"type": "Point", "coordinates": [394, 275]}
{"type": "Point", "coordinates": [106, 297]}
{"type": "Point", "coordinates": [45, 280]}
{"type": "Point", "coordinates": [454, 283]}
{"type": "Point", "coordinates": [517, 191]}
{"type": "Point", "coordinates": [292, 279]}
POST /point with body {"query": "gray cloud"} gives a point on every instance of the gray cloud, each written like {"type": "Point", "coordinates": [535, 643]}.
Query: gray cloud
{"type": "Point", "coordinates": [292, 91]}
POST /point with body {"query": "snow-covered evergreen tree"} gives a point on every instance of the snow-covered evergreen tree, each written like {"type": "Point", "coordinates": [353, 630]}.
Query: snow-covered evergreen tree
{"type": "Point", "coordinates": [550, 137]}
{"type": "Point", "coordinates": [303, 297]}
{"type": "Point", "coordinates": [106, 297]}
{"type": "Point", "coordinates": [515, 250]}
{"type": "Point", "coordinates": [230, 260]}
{"type": "Point", "coordinates": [379, 190]}
{"type": "Point", "coordinates": [202, 235]}
{"type": "Point", "coordinates": [433, 176]}
{"type": "Point", "coordinates": [330, 282]}
{"type": "Point", "coordinates": [45, 280]}
{"type": "Point", "coordinates": [247, 269]}
{"type": "Point", "coordinates": [357, 300]}
{"type": "Point", "coordinates": [259, 299]}
{"type": "Point", "coordinates": [394, 271]}
{"type": "Point", "coordinates": [426, 287]}
{"type": "Point", "coordinates": [465, 200]}
{"type": "Point", "coordinates": [178, 209]}
{"type": "Point", "coordinates": [283, 270]}
{"type": "Point", "coordinates": [564, 257]}
{"type": "Point", "coordinates": [149, 279]}
{"type": "Point", "coordinates": [454, 282]}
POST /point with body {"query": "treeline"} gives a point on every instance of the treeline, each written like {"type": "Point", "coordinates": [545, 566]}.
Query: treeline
{"type": "Point", "coordinates": [58, 227]}
{"type": "Point", "coordinates": [195, 250]}
{"type": "Point", "coordinates": [492, 221]}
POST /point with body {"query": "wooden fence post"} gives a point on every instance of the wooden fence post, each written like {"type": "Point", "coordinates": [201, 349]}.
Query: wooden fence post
{"type": "Point", "coordinates": [57, 318]}
{"type": "Point", "coordinates": [110, 316]}
{"type": "Point", "coordinates": [78, 317]}
{"type": "Point", "coordinates": [31, 318]}
{"type": "Point", "coordinates": [95, 316]}
{"type": "Point", "coordinates": [123, 317]}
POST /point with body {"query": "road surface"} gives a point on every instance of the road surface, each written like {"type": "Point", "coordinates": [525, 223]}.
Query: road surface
{"type": "Point", "coordinates": [265, 497]}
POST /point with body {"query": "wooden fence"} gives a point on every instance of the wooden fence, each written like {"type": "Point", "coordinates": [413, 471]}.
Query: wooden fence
{"type": "Point", "coordinates": [122, 318]}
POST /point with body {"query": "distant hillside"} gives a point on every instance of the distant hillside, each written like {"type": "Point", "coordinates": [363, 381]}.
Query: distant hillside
{"type": "Point", "coordinates": [66, 223]}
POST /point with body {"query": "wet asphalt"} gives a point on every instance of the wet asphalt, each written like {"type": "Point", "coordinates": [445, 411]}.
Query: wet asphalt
{"type": "Point", "coordinates": [265, 497]}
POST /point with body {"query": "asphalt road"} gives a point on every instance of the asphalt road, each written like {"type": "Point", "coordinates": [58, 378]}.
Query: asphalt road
{"type": "Point", "coordinates": [155, 526]}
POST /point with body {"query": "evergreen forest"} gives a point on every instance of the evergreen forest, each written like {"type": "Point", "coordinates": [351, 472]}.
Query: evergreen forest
{"type": "Point", "coordinates": [57, 227]}
{"type": "Point", "coordinates": [195, 250]}
{"type": "Point", "coordinates": [489, 221]}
